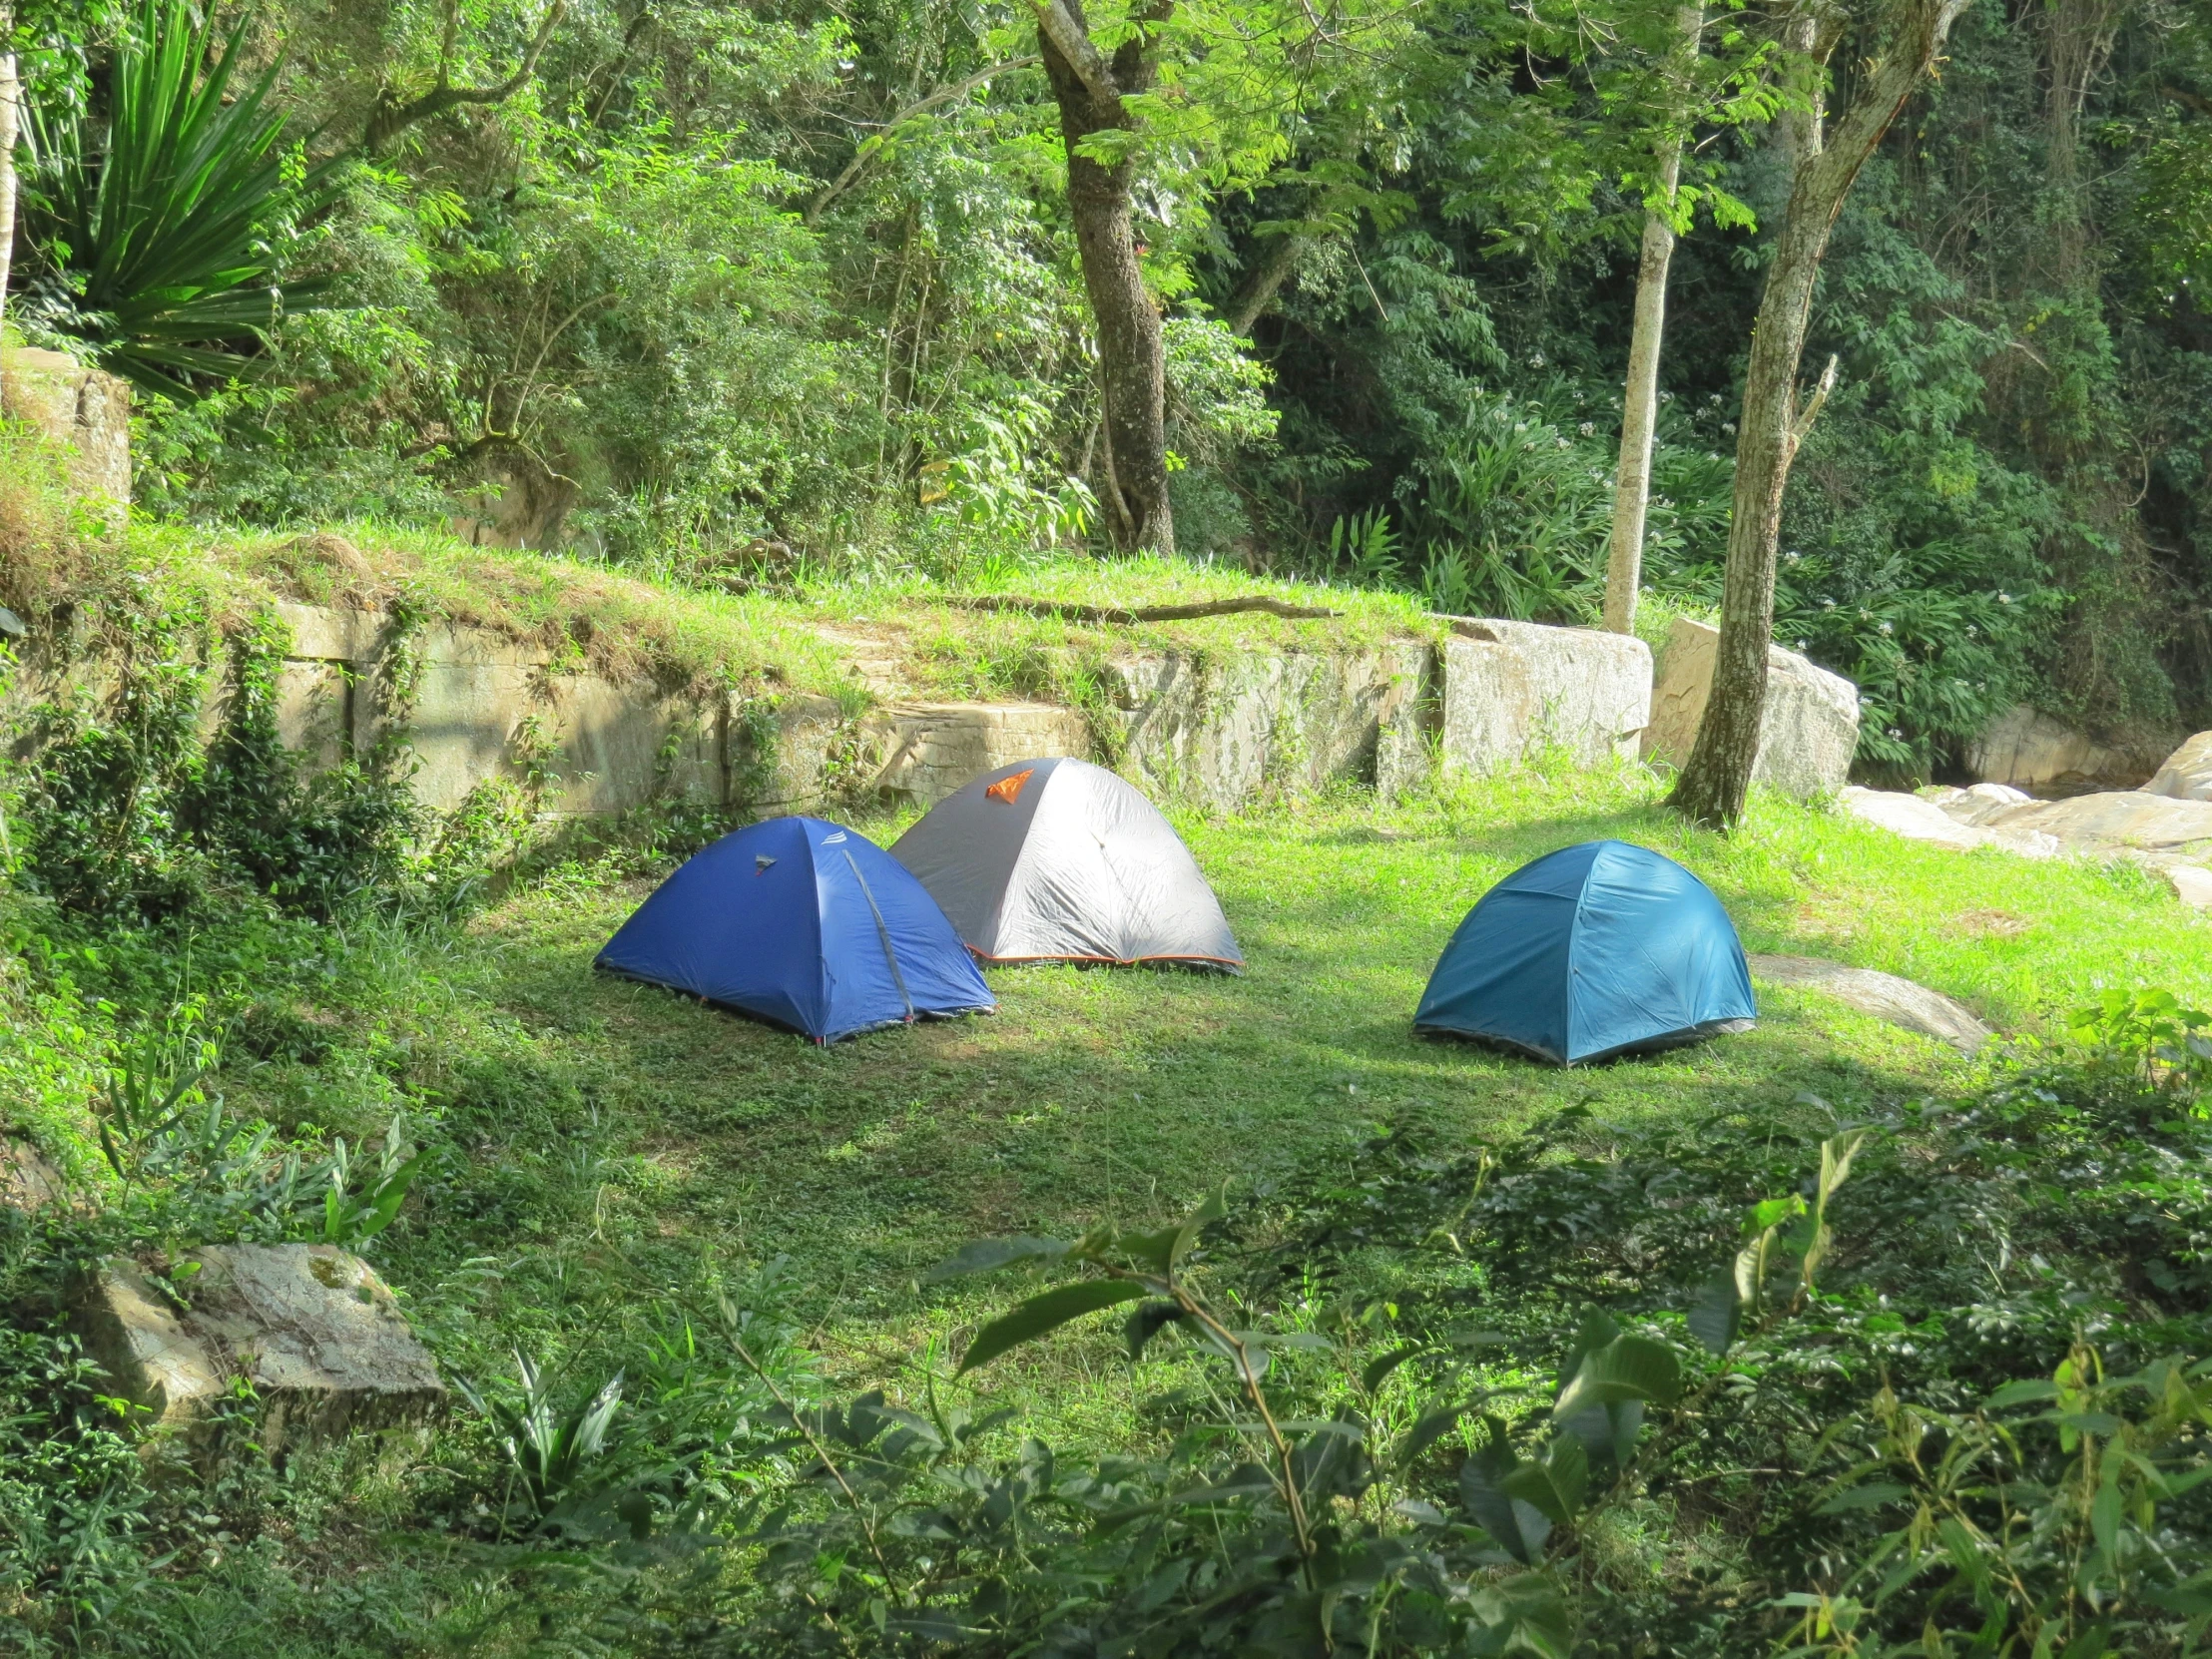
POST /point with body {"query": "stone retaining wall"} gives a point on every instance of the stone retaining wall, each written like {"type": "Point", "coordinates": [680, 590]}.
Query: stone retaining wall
{"type": "Point", "coordinates": [1219, 730]}
{"type": "Point", "coordinates": [1216, 729]}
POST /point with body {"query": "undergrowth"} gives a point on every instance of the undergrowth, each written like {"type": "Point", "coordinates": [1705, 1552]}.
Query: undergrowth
{"type": "Point", "coordinates": [1915, 1364]}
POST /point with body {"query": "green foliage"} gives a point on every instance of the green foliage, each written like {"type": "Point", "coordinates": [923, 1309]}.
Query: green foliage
{"type": "Point", "coordinates": [161, 227]}
{"type": "Point", "coordinates": [131, 813]}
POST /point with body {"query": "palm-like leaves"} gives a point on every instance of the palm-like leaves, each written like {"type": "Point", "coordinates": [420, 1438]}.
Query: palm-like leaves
{"type": "Point", "coordinates": [161, 222]}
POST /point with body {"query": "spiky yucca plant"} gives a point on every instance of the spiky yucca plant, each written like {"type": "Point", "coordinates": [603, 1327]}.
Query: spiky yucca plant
{"type": "Point", "coordinates": [154, 232]}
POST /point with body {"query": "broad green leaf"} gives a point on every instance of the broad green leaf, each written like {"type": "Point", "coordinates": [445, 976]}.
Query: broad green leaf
{"type": "Point", "coordinates": [1431, 1427]}
{"type": "Point", "coordinates": [2022, 1393]}
{"type": "Point", "coordinates": [1147, 1321]}
{"type": "Point", "coordinates": [1161, 1252]}
{"type": "Point", "coordinates": [1527, 1614]}
{"type": "Point", "coordinates": [1517, 1526]}
{"type": "Point", "coordinates": [1717, 1316]}
{"type": "Point", "coordinates": [986, 1255]}
{"type": "Point", "coordinates": [2104, 1518]}
{"type": "Point", "coordinates": [1628, 1368]}
{"type": "Point", "coordinates": [1380, 1367]}
{"type": "Point", "coordinates": [1553, 1488]}
{"type": "Point", "coordinates": [1835, 1156]}
{"type": "Point", "coordinates": [1047, 1311]}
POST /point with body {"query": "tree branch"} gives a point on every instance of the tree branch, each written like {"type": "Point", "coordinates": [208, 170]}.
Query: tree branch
{"type": "Point", "coordinates": [1803, 422]}
{"type": "Point", "coordinates": [1147, 613]}
{"type": "Point", "coordinates": [1265, 281]}
{"type": "Point", "coordinates": [869, 147]}
{"type": "Point", "coordinates": [393, 119]}
{"type": "Point", "coordinates": [1073, 42]}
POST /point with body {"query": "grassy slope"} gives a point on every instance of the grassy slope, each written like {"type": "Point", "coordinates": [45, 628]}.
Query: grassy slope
{"type": "Point", "coordinates": [631, 1147]}
{"type": "Point", "coordinates": [805, 636]}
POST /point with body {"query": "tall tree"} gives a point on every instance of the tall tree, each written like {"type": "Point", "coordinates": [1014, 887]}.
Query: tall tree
{"type": "Point", "coordinates": [1092, 89]}
{"type": "Point", "coordinates": [1624, 566]}
{"type": "Point", "coordinates": [1902, 40]}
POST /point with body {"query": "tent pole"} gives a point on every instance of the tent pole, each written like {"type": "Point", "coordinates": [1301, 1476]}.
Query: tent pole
{"type": "Point", "coordinates": [883, 933]}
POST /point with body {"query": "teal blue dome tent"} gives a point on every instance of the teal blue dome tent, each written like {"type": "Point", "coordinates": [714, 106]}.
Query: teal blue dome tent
{"type": "Point", "coordinates": [1591, 952]}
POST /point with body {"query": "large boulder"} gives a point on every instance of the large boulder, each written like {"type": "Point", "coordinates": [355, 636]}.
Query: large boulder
{"type": "Point", "coordinates": [311, 1328]}
{"type": "Point", "coordinates": [83, 409]}
{"type": "Point", "coordinates": [1516, 689]}
{"type": "Point", "coordinates": [2029, 750]}
{"type": "Point", "coordinates": [1807, 733]}
{"type": "Point", "coordinates": [2187, 773]}
{"type": "Point", "coordinates": [1885, 996]}
{"type": "Point", "coordinates": [2114, 822]}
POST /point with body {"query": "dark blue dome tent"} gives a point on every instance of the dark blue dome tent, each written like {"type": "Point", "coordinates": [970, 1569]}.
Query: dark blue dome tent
{"type": "Point", "coordinates": [805, 925]}
{"type": "Point", "coordinates": [1592, 953]}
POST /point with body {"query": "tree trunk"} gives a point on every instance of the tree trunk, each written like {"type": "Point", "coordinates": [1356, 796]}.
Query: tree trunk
{"type": "Point", "coordinates": [1132, 361]}
{"type": "Point", "coordinates": [11, 95]}
{"type": "Point", "coordinates": [1265, 281]}
{"type": "Point", "coordinates": [1717, 778]}
{"type": "Point", "coordinates": [1624, 565]}
{"type": "Point", "coordinates": [2078, 37]}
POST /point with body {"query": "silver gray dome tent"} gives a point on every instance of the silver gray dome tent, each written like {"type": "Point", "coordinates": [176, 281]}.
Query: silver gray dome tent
{"type": "Point", "coordinates": [1062, 860]}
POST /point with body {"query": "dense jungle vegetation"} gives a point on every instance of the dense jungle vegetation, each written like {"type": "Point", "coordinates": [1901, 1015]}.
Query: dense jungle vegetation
{"type": "Point", "coordinates": [690, 286]}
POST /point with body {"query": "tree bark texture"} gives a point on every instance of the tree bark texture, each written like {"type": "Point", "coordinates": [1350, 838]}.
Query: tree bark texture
{"type": "Point", "coordinates": [1265, 281]}
{"type": "Point", "coordinates": [1624, 564]}
{"type": "Point", "coordinates": [1132, 359]}
{"type": "Point", "coordinates": [2078, 37]}
{"type": "Point", "coordinates": [1717, 779]}
{"type": "Point", "coordinates": [11, 95]}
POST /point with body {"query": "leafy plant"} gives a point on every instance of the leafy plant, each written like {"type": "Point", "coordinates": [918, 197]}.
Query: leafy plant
{"type": "Point", "coordinates": [557, 1453]}
{"type": "Point", "coordinates": [160, 228]}
{"type": "Point", "coordinates": [350, 1218]}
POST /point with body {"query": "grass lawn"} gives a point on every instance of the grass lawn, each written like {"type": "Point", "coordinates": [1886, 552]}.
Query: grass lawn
{"type": "Point", "coordinates": [630, 1148]}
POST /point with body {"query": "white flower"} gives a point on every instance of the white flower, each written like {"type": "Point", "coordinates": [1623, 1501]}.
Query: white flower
{"type": "Point", "coordinates": [1536, 361]}
{"type": "Point", "coordinates": [1587, 427]}
{"type": "Point", "coordinates": [1714, 398]}
{"type": "Point", "coordinates": [1666, 397]}
{"type": "Point", "coordinates": [1888, 628]}
{"type": "Point", "coordinates": [1793, 555]}
{"type": "Point", "coordinates": [1559, 443]}
{"type": "Point", "coordinates": [1828, 604]}
{"type": "Point", "coordinates": [1805, 645]}
{"type": "Point", "coordinates": [1712, 454]}
{"type": "Point", "coordinates": [2004, 599]}
{"type": "Point", "coordinates": [1729, 426]}
{"type": "Point", "coordinates": [1894, 733]}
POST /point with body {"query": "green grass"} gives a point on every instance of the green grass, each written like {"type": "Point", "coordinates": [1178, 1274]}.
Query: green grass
{"type": "Point", "coordinates": [626, 1145]}
{"type": "Point", "coordinates": [802, 636]}
{"type": "Point", "coordinates": [617, 1154]}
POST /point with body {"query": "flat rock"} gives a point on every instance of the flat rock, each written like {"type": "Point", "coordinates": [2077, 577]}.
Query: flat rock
{"type": "Point", "coordinates": [1808, 730]}
{"type": "Point", "coordinates": [1514, 690]}
{"type": "Point", "coordinates": [2028, 749]}
{"type": "Point", "coordinates": [1920, 819]}
{"type": "Point", "coordinates": [2187, 773]}
{"type": "Point", "coordinates": [2115, 822]}
{"type": "Point", "coordinates": [313, 1329]}
{"type": "Point", "coordinates": [1901, 1002]}
{"type": "Point", "coordinates": [1975, 804]}
{"type": "Point", "coordinates": [2191, 884]}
